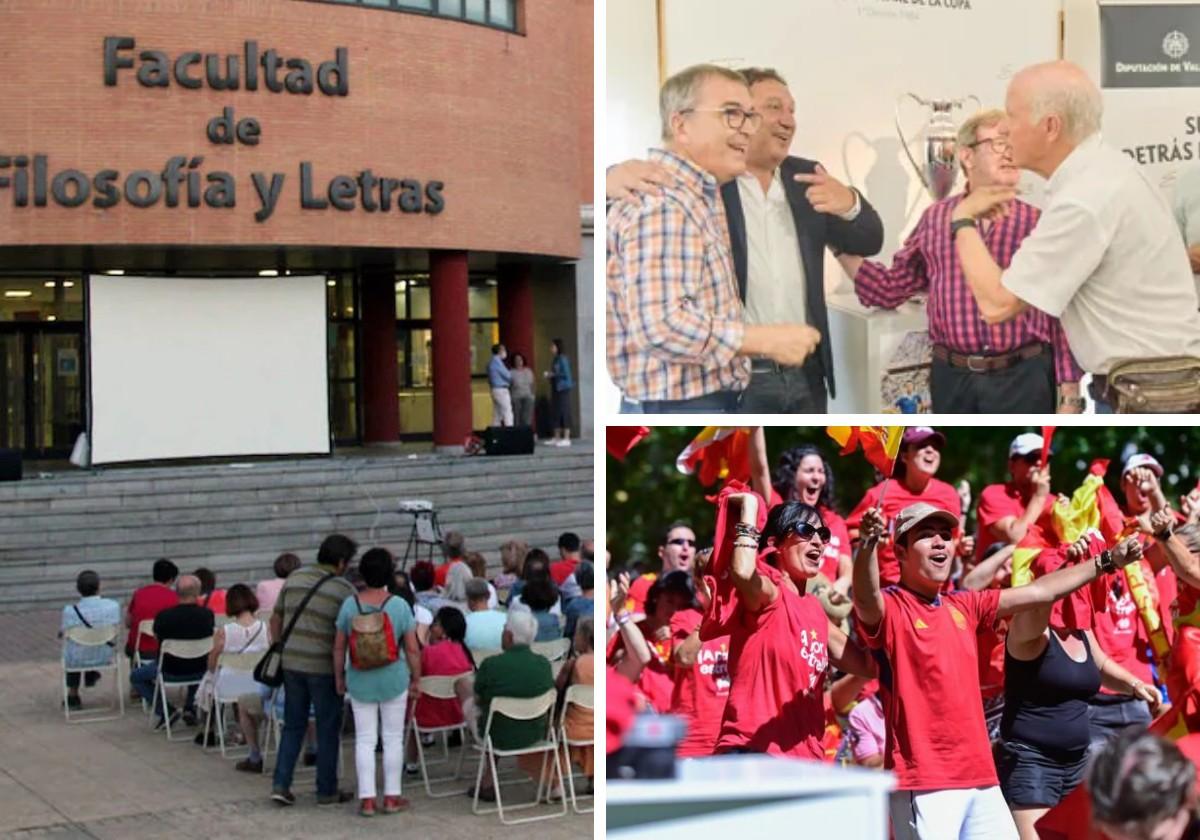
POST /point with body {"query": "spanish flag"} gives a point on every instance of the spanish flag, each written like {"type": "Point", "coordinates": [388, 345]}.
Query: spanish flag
{"type": "Point", "coordinates": [880, 444]}
{"type": "Point", "coordinates": [718, 452]}
{"type": "Point", "coordinates": [621, 439]}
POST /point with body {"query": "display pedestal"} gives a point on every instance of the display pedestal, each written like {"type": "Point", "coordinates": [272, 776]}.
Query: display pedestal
{"type": "Point", "coordinates": [863, 341]}
{"type": "Point", "coordinates": [752, 795]}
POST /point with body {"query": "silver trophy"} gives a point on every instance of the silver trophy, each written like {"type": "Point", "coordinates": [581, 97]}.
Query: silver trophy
{"type": "Point", "coordinates": [939, 167]}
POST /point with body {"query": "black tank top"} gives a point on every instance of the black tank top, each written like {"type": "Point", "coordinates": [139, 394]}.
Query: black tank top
{"type": "Point", "coordinates": [1046, 699]}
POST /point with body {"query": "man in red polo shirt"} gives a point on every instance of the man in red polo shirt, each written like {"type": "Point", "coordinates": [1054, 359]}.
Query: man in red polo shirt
{"type": "Point", "coordinates": [912, 481]}
{"type": "Point", "coordinates": [562, 571]}
{"type": "Point", "coordinates": [937, 742]}
{"type": "Point", "coordinates": [145, 605]}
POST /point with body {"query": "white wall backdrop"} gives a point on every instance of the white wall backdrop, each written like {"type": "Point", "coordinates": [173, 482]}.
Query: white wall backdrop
{"type": "Point", "coordinates": [196, 367]}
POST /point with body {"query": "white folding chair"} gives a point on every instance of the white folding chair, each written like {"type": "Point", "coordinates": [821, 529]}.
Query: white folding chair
{"type": "Point", "coordinates": [554, 650]}
{"type": "Point", "coordinates": [480, 654]}
{"type": "Point", "coordinates": [439, 688]}
{"type": "Point", "coordinates": [584, 697]}
{"type": "Point", "coordinates": [243, 663]}
{"type": "Point", "coordinates": [94, 637]}
{"type": "Point", "coordinates": [181, 649]}
{"type": "Point", "coordinates": [222, 620]}
{"type": "Point", "coordinates": [144, 628]}
{"type": "Point", "coordinates": [515, 708]}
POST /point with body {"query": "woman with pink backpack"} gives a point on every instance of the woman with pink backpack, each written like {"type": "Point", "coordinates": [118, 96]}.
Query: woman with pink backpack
{"type": "Point", "coordinates": [377, 659]}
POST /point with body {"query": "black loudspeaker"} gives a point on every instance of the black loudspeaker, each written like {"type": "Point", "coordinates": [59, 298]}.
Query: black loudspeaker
{"type": "Point", "coordinates": [508, 440]}
{"type": "Point", "coordinates": [10, 464]}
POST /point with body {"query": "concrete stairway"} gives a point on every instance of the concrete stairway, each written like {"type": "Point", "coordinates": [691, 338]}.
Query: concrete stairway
{"type": "Point", "coordinates": [236, 518]}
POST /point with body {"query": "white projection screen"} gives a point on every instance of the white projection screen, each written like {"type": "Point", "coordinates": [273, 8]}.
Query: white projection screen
{"type": "Point", "coordinates": [189, 367]}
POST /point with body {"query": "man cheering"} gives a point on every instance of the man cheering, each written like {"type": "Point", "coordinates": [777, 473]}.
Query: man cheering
{"type": "Point", "coordinates": [977, 367]}
{"type": "Point", "coordinates": [1105, 257]}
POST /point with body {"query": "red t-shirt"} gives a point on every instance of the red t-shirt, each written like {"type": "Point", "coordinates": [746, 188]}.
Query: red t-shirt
{"type": "Point", "coordinates": [839, 536]}
{"type": "Point", "coordinates": [898, 497]}
{"type": "Point", "coordinates": [442, 572]}
{"type": "Point", "coordinates": [441, 659]}
{"type": "Point", "coordinates": [936, 735]}
{"type": "Point", "coordinates": [636, 603]}
{"type": "Point", "coordinates": [1120, 630]}
{"type": "Point", "coordinates": [563, 569]}
{"type": "Point", "coordinates": [1000, 501]}
{"type": "Point", "coordinates": [778, 657]}
{"type": "Point", "coordinates": [215, 601]}
{"type": "Point", "coordinates": [657, 680]}
{"type": "Point", "coordinates": [145, 604]}
{"type": "Point", "coordinates": [700, 691]}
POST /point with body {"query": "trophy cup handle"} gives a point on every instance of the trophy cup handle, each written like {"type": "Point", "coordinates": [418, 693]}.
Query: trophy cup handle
{"type": "Point", "coordinates": [904, 139]}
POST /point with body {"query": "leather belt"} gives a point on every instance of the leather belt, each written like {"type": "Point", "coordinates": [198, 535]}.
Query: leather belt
{"type": "Point", "coordinates": [988, 364]}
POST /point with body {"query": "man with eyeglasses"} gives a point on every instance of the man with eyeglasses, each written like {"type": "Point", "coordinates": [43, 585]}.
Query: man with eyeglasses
{"type": "Point", "coordinates": [677, 337]}
{"type": "Point", "coordinates": [1008, 511]}
{"type": "Point", "coordinates": [977, 367]}
{"type": "Point", "coordinates": [677, 553]}
{"type": "Point", "coordinates": [1106, 257]}
{"type": "Point", "coordinates": [783, 212]}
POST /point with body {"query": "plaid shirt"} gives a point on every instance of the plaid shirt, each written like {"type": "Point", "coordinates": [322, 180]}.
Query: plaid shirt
{"type": "Point", "coordinates": [929, 262]}
{"type": "Point", "coordinates": [675, 320]}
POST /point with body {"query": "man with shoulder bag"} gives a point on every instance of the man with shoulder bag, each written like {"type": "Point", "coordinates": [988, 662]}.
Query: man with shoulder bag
{"type": "Point", "coordinates": [307, 607]}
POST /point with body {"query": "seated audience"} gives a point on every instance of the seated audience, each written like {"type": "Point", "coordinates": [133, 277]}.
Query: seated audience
{"type": "Point", "coordinates": [512, 561]}
{"type": "Point", "coordinates": [537, 565]}
{"type": "Point", "coordinates": [185, 620]}
{"type": "Point", "coordinates": [517, 672]}
{"type": "Point", "coordinates": [485, 626]}
{"type": "Point", "coordinates": [478, 566]}
{"type": "Point", "coordinates": [402, 587]}
{"type": "Point", "coordinates": [455, 591]}
{"type": "Point", "coordinates": [584, 605]}
{"type": "Point", "coordinates": [579, 670]}
{"type": "Point", "coordinates": [541, 598]}
{"type": "Point", "coordinates": [89, 611]}
{"type": "Point", "coordinates": [268, 590]}
{"type": "Point", "coordinates": [454, 548]}
{"type": "Point", "coordinates": [146, 603]}
{"type": "Point", "coordinates": [446, 656]}
{"type": "Point", "coordinates": [562, 572]}
{"type": "Point", "coordinates": [244, 634]}
{"type": "Point", "coordinates": [210, 596]}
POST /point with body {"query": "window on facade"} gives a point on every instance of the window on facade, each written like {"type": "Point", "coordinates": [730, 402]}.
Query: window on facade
{"type": "Point", "coordinates": [41, 298]}
{"type": "Point", "coordinates": [342, 347]}
{"type": "Point", "coordinates": [501, 14]}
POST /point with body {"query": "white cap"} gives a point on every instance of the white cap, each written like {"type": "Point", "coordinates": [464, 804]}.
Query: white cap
{"type": "Point", "coordinates": [1026, 443]}
{"type": "Point", "coordinates": [1141, 459]}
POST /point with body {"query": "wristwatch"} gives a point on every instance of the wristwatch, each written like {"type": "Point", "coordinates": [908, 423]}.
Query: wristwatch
{"type": "Point", "coordinates": [959, 224]}
{"type": "Point", "coordinates": [1105, 562]}
{"type": "Point", "coordinates": [1078, 403]}
{"type": "Point", "coordinates": [1165, 534]}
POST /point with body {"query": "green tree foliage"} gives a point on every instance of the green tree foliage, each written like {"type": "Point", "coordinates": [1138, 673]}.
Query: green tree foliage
{"type": "Point", "coordinates": [646, 492]}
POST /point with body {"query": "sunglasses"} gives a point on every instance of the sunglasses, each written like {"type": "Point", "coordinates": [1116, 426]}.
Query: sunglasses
{"type": "Point", "coordinates": [805, 532]}
{"type": "Point", "coordinates": [682, 541]}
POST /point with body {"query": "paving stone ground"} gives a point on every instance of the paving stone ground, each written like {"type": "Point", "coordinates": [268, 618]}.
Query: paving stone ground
{"type": "Point", "coordinates": [118, 779]}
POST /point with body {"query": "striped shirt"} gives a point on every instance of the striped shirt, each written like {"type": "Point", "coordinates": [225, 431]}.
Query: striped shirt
{"type": "Point", "coordinates": [309, 650]}
{"type": "Point", "coordinates": [675, 321]}
{"type": "Point", "coordinates": [928, 262]}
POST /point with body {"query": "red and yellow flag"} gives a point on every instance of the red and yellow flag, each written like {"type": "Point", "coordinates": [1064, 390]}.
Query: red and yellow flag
{"type": "Point", "coordinates": [621, 439]}
{"type": "Point", "coordinates": [718, 452]}
{"type": "Point", "coordinates": [880, 444]}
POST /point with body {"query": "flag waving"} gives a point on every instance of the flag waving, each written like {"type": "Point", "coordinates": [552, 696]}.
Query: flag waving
{"type": "Point", "coordinates": [621, 439]}
{"type": "Point", "coordinates": [718, 452]}
{"type": "Point", "coordinates": [880, 444]}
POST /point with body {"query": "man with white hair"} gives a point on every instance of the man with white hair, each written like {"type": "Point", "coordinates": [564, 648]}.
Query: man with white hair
{"type": "Point", "coordinates": [1022, 367]}
{"type": "Point", "coordinates": [677, 340]}
{"type": "Point", "coordinates": [518, 672]}
{"type": "Point", "coordinates": [1105, 256]}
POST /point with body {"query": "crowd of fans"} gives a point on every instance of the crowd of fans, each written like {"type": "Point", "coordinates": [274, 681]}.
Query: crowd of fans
{"type": "Point", "coordinates": [360, 632]}
{"type": "Point", "coordinates": [990, 668]}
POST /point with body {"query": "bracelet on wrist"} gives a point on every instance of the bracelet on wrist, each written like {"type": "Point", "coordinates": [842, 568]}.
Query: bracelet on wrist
{"type": "Point", "coordinates": [622, 618]}
{"type": "Point", "coordinates": [741, 529]}
{"type": "Point", "coordinates": [1105, 562]}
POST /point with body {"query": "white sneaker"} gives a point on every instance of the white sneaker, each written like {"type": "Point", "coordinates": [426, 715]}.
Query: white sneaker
{"type": "Point", "coordinates": [564, 442]}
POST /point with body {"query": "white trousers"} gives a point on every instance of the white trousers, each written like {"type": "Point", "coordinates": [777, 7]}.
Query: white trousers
{"type": "Point", "coordinates": [366, 735]}
{"type": "Point", "coordinates": [970, 814]}
{"type": "Point", "coordinates": [502, 413]}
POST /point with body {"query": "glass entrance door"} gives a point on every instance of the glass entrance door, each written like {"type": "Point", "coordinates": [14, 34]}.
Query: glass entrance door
{"type": "Point", "coordinates": [41, 388]}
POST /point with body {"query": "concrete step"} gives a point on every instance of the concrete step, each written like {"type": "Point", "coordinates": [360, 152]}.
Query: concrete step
{"type": "Point", "coordinates": [236, 520]}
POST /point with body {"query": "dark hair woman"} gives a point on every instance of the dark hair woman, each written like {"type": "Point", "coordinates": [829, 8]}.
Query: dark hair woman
{"type": "Point", "coordinates": [561, 385]}
{"type": "Point", "coordinates": [656, 681]}
{"type": "Point", "coordinates": [781, 642]}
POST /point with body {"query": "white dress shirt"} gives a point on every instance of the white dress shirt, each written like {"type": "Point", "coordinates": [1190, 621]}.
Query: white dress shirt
{"type": "Point", "coordinates": [1107, 259]}
{"type": "Point", "coordinates": [775, 290]}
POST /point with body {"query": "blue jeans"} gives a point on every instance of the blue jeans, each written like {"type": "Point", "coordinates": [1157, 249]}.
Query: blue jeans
{"type": "Point", "coordinates": [301, 690]}
{"type": "Point", "coordinates": [143, 682]}
{"type": "Point", "coordinates": [722, 402]}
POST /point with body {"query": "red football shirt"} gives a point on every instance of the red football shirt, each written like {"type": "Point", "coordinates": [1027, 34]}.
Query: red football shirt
{"type": "Point", "coordinates": [562, 569]}
{"type": "Point", "coordinates": [936, 735]}
{"type": "Point", "coordinates": [898, 497]}
{"type": "Point", "coordinates": [657, 680]}
{"type": "Point", "coordinates": [145, 604]}
{"type": "Point", "coordinates": [1119, 629]}
{"type": "Point", "coordinates": [999, 501]}
{"type": "Point", "coordinates": [778, 657]}
{"type": "Point", "coordinates": [702, 690]}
